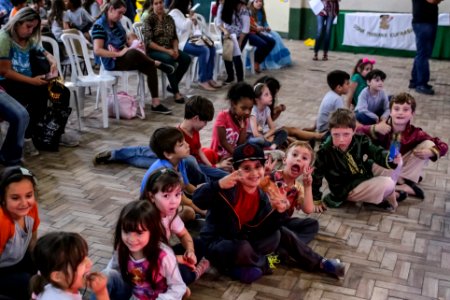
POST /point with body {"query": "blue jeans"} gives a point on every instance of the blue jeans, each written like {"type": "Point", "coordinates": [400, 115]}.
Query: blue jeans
{"type": "Point", "coordinates": [143, 157]}
{"type": "Point", "coordinates": [323, 22]}
{"type": "Point", "coordinates": [17, 116]}
{"type": "Point", "coordinates": [281, 136]}
{"type": "Point", "coordinates": [263, 43]}
{"type": "Point", "coordinates": [425, 37]}
{"type": "Point", "coordinates": [206, 57]}
{"type": "Point", "coordinates": [365, 119]}
{"type": "Point", "coordinates": [118, 289]}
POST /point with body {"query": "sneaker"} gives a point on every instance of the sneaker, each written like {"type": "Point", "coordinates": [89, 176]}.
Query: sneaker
{"type": "Point", "coordinates": [179, 100]}
{"type": "Point", "coordinates": [69, 139]}
{"type": "Point", "coordinates": [272, 259]}
{"type": "Point", "coordinates": [103, 157]}
{"type": "Point", "coordinates": [333, 266]}
{"type": "Point", "coordinates": [161, 109]}
{"type": "Point", "coordinates": [424, 90]}
{"type": "Point", "coordinates": [201, 268]}
{"type": "Point", "coordinates": [246, 274]}
{"type": "Point", "coordinates": [166, 68]}
{"type": "Point", "coordinates": [29, 149]}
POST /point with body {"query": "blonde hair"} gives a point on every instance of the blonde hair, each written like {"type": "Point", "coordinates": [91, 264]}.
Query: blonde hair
{"type": "Point", "coordinates": [305, 145]}
{"type": "Point", "coordinates": [26, 14]}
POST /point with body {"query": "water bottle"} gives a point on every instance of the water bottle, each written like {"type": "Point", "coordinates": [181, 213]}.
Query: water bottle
{"type": "Point", "coordinates": [394, 149]}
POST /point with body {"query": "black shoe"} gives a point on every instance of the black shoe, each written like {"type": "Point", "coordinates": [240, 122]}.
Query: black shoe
{"type": "Point", "coordinates": [411, 85]}
{"type": "Point", "coordinates": [402, 195]}
{"type": "Point", "coordinates": [161, 109]}
{"type": "Point", "coordinates": [166, 68]}
{"type": "Point", "coordinates": [228, 81]}
{"type": "Point", "coordinates": [180, 100]}
{"type": "Point", "coordinates": [418, 192]}
{"type": "Point", "coordinates": [424, 90]}
{"type": "Point", "coordinates": [102, 157]}
{"type": "Point", "coordinates": [169, 89]}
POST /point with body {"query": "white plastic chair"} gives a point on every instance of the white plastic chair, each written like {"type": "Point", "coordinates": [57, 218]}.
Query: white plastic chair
{"type": "Point", "coordinates": [137, 27]}
{"type": "Point", "coordinates": [55, 49]}
{"type": "Point", "coordinates": [91, 79]}
{"type": "Point", "coordinates": [211, 18]}
{"type": "Point", "coordinates": [127, 24]}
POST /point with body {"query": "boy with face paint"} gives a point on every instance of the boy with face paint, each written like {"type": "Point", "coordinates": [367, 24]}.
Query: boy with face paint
{"type": "Point", "coordinates": [354, 167]}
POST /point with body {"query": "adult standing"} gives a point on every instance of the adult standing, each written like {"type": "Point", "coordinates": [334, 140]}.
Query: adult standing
{"type": "Point", "coordinates": [161, 42]}
{"type": "Point", "coordinates": [424, 24]}
{"type": "Point", "coordinates": [205, 53]}
{"type": "Point", "coordinates": [110, 45]}
{"type": "Point", "coordinates": [324, 23]}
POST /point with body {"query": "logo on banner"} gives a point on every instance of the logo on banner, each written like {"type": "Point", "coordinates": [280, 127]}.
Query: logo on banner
{"type": "Point", "coordinates": [384, 21]}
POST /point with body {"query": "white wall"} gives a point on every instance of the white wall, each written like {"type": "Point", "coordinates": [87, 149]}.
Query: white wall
{"type": "Point", "coordinates": [277, 12]}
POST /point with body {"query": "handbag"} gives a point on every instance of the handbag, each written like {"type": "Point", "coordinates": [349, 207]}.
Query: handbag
{"type": "Point", "coordinates": [38, 62]}
{"type": "Point", "coordinates": [47, 133]}
{"type": "Point", "coordinates": [227, 51]}
{"type": "Point", "coordinates": [128, 106]}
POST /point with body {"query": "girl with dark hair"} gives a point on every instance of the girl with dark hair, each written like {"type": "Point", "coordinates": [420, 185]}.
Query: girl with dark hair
{"type": "Point", "coordinates": [108, 33]}
{"type": "Point", "coordinates": [233, 19]}
{"type": "Point", "coordinates": [164, 189]}
{"type": "Point", "coordinates": [64, 268]}
{"type": "Point", "coordinates": [19, 221]}
{"type": "Point", "coordinates": [142, 265]}
{"type": "Point", "coordinates": [55, 20]}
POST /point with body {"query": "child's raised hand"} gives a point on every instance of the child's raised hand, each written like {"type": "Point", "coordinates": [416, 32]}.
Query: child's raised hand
{"type": "Point", "coordinates": [269, 165]}
{"type": "Point", "coordinates": [96, 281]}
{"type": "Point", "coordinates": [398, 160]}
{"type": "Point", "coordinates": [307, 178]}
{"type": "Point", "coordinates": [225, 164]}
{"type": "Point", "coordinates": [190, 257]}
{"type": "Point", "coordinates": [382, 127]}
{"type": "Point", "coordinates": [182, 260]}
{"type": "Point", "coordinates": [230, 180]}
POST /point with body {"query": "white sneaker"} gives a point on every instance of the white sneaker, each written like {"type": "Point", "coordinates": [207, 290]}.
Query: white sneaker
{"type": "Point", "coordinates": [29, 149]}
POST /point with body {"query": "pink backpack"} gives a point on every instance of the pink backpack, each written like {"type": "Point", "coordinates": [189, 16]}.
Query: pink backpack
{"type": "Point", "coordinates": [128, 107]}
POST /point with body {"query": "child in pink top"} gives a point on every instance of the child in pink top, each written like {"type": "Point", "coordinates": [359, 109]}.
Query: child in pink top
{"type": "Point", "coordinates": [230, 126]}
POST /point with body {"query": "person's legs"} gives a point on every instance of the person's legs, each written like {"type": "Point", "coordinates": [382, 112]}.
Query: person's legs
{"type": "Point", "coordinates": [374, 190]}
{"type": "Point", "coordinates": [280, 137]}
{"type": "Point", "coordinates": [327, 38]}
{"type": "Point", "coordinates": [305, 229]}
{"type": "Point", "coordinates": [183, 60]}
{"type": "Point", "coordinates": [319, 35]}
{"type": "Point", "coordinates": [194, 172]}
{"type": "Point", "coordinates": [34, 98]}
{"type": "Point", "coordinates": [212, 174]}
{"type": "Point", "coordinates": [203, 53]}
{"type": "Point", "coordinates": [15, 280]}
{"type": "Point", "coordinates": [136, 60]}
{"type": "Point", "coordinates": [237, 61]}
{"type": "Point", "coordinates": [137, 156]}
{"type": "Point", "coordinates": [425, 36]}
{"type": "Point", "coordinates": [413, 165]}
{"type": "Point", "coordinates": [264, 44]}
{"type": "Point", "coordinates": [365, 119]}
{"type": "Point", "coordinates": [17, 116]}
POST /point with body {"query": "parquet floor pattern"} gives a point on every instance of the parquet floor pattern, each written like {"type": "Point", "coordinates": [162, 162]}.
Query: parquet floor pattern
{"type": "Point", "coordinates": [403, 255]}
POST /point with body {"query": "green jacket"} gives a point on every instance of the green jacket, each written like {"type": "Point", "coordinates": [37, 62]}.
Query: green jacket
{"type": "Point", "coordinates": [341, 173]}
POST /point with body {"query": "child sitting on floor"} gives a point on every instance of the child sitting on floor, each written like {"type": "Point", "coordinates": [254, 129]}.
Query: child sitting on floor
{"type": "Point", "coordinates": [348, 163]}
{"type": "Point", "coordinates": [358, 81]}
{"type": "Point", "coordinates": [261, 130]}
{"type": "Point", "coordinates": [243, 225]}
{"type": "Point", "coordinates": [297, 163]}
{"type": "Point", "coordinates": [373, 103]}
{"type": "Point", "coordinates": [338, 81]}
{"type": "Point", "coordinates": [416, 146]}
{"type": "Point", "coordinates": [169, 145]}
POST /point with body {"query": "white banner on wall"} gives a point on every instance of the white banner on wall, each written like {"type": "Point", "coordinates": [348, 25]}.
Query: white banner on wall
{"type": "Point", "coordinates": [379, 30]}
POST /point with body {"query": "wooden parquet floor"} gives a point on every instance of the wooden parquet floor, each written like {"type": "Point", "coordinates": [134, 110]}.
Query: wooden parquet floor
{"type": "Point", "coordinates": [403, 255]}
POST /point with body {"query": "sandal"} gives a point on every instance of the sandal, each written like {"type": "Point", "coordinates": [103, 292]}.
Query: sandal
{"type": "Point", "coordinates": [325, 57]}
{"type": "Point", "coordinates": [402, 195]}
{"type": "Point", "coordinates": [315, 57]}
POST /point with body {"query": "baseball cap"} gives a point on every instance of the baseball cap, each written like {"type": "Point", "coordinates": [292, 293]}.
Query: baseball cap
{"type": "Point", "coordinates": [247, 151]}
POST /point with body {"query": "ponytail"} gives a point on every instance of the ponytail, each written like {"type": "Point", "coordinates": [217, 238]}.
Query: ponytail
{"type": "Point", "coordinates": [111, 3]}
{"type": "Point", "coordinates": [37, 284]}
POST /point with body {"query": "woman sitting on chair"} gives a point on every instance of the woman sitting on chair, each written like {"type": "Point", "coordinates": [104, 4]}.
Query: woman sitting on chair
{"type": "Point", "coordinates": [110, 44]}
{"type": "Point", "coordinates": [19, 43]}
{"type": "Point", "coordinates": [186, 28]}
{"type": "Point", "coordinates": [161, 41]}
